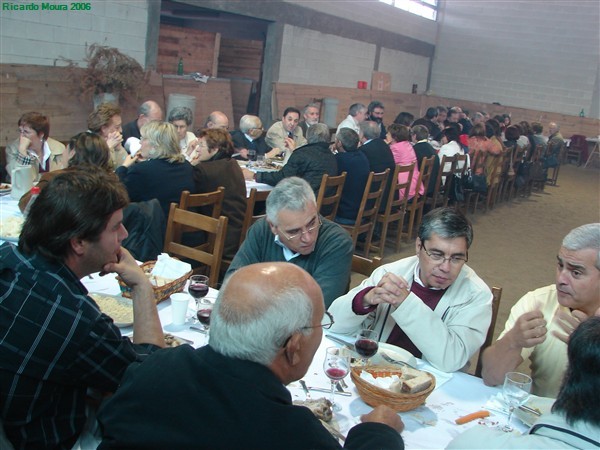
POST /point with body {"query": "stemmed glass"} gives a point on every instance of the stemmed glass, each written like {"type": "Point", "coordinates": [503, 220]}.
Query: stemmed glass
{"type": "Point", "coordinates": [516, 391]}
{"type": "Point", "coordinates": [198, 288]}
{"type": "Point", "coordinates": [366, 344]}
{"type": "Point", "coordinates": [336, 366]}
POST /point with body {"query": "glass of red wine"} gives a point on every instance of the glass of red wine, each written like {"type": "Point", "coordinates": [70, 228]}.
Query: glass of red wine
{"type": "Point", "coordinates": [336, 367]}
{"type": "Point", "coordinates": [366, 344]}
{"type": "Point", "coordinates": [198, 288]}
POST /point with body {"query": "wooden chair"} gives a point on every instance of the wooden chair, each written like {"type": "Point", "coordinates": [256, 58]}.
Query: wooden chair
{"type": "Point", "coordinates": [209, 254]}
{"type": "Point", "coordinates": [478, 166]}
{"type": "Point", "coordinates": [255, 197]}
{"type": "Point", "coordinates": [556, 169]}
{"type": "Point", "coordinates": [489, 197]}
{"type": "Point", "coordinates": [395, 207]}
{"type": "Point", "coordinates": [365, 266]}
{"type": "Point", "coordinates": [200, 203]}
{"type": "Point", "coordinates": [330, 194]}
{"type": "Point", "coordinates": [443, 183]}
{"type": "Point", "coordinates": [496, 295]}
{"type": "Point", "coordinates": [369, 208]}
{"type": "Point", "coordinates": [537, 179]}
{"type": "Point", "coordinates": [578, 148]}
{"type": "Point", "coordinates": [417, 203]}
{"type": "Point", "coordinates": [459, 169]}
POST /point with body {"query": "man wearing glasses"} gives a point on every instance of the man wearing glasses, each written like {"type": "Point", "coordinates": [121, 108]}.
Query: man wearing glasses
{"type": "Point", "coordinates": [294, 231]}
{"type": "Point", "coordinates": [431, 304]}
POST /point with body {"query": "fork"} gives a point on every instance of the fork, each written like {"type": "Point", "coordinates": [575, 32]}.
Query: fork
{"type": "Point", "coordinates": [391, 360]}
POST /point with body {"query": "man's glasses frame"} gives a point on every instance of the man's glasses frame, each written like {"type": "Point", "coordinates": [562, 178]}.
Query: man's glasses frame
{"type": "Point", "coordinates": [316, 226]}
{"type": "Point", "coordinates": [455, 260]}
{"type": "Point", "coordinates": [326, 323]}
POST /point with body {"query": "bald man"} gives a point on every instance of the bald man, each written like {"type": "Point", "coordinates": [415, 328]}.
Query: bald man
{"type": "Point", "coordinates": [265, 329]}
{"type": "Point", "coordinates": [217, 119]}
{"type": "Point", "coordinates": [149, 111]}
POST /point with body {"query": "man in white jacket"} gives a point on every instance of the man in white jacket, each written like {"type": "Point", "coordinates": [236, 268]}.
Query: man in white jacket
{"type": "Point", "coordinates": [431, 304]}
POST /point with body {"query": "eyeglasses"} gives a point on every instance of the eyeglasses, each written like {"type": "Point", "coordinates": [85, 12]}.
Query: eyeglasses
{"type": "Point", "coordinates": [309, 229]}
{"type": "Point", "coordinates": [326, 323]}
{"type": "Point", "coordinates": [439, 257]}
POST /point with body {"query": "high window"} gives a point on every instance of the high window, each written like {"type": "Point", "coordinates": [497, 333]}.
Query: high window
{"type": "Point", "coordinates": [423, 8]}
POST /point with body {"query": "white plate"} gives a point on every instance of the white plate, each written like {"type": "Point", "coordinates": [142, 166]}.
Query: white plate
{"type": "Point", "coordinates": [121, 322]}
{"type": "Point", "coordinates": [393, 352]}
{"type": "Point", "coordinates": [3, 222]}
{"type": "Point", "coordinates": [5, 188]}
{"type": "Point", "coordinates": [542, 404]}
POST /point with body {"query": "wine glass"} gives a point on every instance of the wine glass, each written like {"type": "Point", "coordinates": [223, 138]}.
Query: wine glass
{"type": "Point", "coordinates": [366, 344]}
{"type": "Point", "coordinates": [198, 288]}
{"type": "Point", "coordinates": [336, 366]}
{"type": "Point", "coordinates": [516, 389]}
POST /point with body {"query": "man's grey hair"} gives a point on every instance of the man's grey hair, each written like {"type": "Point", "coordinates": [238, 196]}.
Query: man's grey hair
{"type": "Point", "coordinates": [256, 334]}
{"type": "Point", "coordinates": [583, 237]}
{"type": "Point", "coordinates": [369, 129]}
{"type": "Point", "coordinates": [420, 131]}
{"type": "Point", "coordinates": [447, 223]}
{"type": "Point", "coordinates": [311, 105]}
{"type": "Point", "coordinates": [291, 193]}
{"type": "Point", "coordinates": [249, 122]}
{"type": "Point", "coordinates": [375, 104]}
{"type": "Point", "coordinates": [319, 132]}
{"type": "Point", "coordinates": [181, 113]}
{"type": "Point", "coordinates": [356, 108]}
{"type": "Point", "coordinates": [348, 138]}
{"type": "Point", "coordinates": [145, 108]}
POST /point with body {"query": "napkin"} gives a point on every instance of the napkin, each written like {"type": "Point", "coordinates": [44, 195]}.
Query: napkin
{"type": "Point", "coordinates": [496, 403]}
{"type": "Point", "coordinates": [382, 382]}
{"type": "Point", "coordinates": [440, 377]}
{"type": "Point", "coordinates": [133, 145]}
{"type": "Point", "coordinates": [170, 268]}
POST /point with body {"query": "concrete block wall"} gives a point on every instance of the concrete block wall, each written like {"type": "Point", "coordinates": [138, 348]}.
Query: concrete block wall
{"type": "Point", "coordinates": [536, 55]}
{"type": "Point", "coordinates": [314, 58]}
{"type": "Point", "coordinates": [406, 69]}
{"type": "Point", "coordinates": [42, 37]}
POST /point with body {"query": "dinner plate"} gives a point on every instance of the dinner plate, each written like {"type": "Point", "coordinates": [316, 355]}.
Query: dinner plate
{"type": "Point", "coordinates": [117, 307]}
{"type": "Point", "coordinates": [13, 223]}
{"type": "Point", "coordinates": [393, 352]}
{"type": "Point", "coordinates": [541, 404]}
{"type": "Point", "coordinates": [5, 188]}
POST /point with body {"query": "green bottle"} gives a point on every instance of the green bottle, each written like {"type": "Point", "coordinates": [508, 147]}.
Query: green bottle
{"type": "Point", "coordinates": [581, 113]}
{"type": "Point", "coordinates": [180, 67]}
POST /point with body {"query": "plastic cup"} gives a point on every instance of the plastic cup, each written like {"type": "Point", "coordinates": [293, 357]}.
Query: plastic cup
{"type": "Point", "coordinates": [179, 307]}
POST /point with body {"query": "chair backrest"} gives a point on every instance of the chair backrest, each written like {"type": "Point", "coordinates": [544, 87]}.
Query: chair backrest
{"type": "Point", "coordinates": [188, 201]}
{"type": "Point", "coordinates": [398, 195]}
{"type": "Point", "coordinates": [330, 194]}
{"type": "Point", "coordinates": [209, 254]}
{"type": "Point", "coordinates": [424, 176]}
{"type": "Point", "coordinates": [538, 152]}
{"type": "Point", "coordinates": [578, 141]}
{"type": "Point", "coordinates": [255, 197]}
{"type": "Point", "coordinates": [496, 296]}
{"type": "Point", "coordinates": [443, 182]}
{"type": "Point", "coordinates": [365, 266]}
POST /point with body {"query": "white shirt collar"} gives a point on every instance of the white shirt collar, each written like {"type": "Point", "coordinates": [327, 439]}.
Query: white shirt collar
{"type": "Point", "coordinates": [46, 154]}
{"type": "Point", "coordinates": [287, 253]}
{"type": "Point", "coordinates": [418, 279]}
{"type": "Point", "coordinates": [250, 138]}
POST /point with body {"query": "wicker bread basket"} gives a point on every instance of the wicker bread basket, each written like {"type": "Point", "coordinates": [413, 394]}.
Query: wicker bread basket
{"type": "Point", "coordinates": [160, 292]}
{"type": "Point", "coordinates": [374, 396]}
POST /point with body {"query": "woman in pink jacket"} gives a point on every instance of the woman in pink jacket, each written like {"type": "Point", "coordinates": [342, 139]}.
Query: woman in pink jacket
{"type": "Point", "coordinates": [398, 136]}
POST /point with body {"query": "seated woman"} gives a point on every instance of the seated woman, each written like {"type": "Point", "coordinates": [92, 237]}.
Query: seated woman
{"type": "Point", "coordinates": [215, 168]}
{"type": "Point", "coordinates": [83, 148]}
{"type": "Point", "coordinates": [105, 120]}
{"type": "Point", "coordinates": [450, 146]}
{"type": "Point", "coordinates": [478, 143]}
{"type": "Point", "coordinates": [159, 170]}
{"type": "Point", "coordinates": [399, 138]}
{"type": "Point", "coordinates": [493, 131]}
{"type": "Point", "coordinates": [182, 118]}
{"type": "Point", "coordinates": [34, 147]}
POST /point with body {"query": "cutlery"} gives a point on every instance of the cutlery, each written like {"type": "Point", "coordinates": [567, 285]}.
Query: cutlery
{"type": "Point", "coordinates": [343, 383]}
{"type": "Point", "coordinates": [530, 410]}
{"type": "Point", "coordinates": [196, 329]}
{"type": "Point", "coordinates": [340, 341]}
{"type": "Point", "coordinates": [305, 388]}
{"type": "Point", "coordinates": [339, 387]}
{"type": "Point", "coordinates": [389, 359]}
{"type": "Point", "coordinates": [328, 391]}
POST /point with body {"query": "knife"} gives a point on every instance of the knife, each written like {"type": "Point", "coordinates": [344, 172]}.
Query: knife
{"type": "Point", "coordinates": [535, 412]}
{"type": "Point", "coordinates": [340, 341]}
{"type": "Point", "coordinates": [328, 391]}
{"type": "Point", "coordinates": [305, 389]}
{"type": "Point", "coordinates": [199, 330]}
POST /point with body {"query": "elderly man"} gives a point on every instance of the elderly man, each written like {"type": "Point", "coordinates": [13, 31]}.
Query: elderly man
{"type": "Point", "coordinates": [105, 120]}
{"type": "Point", "coordinates": [541, 321]}
{"type": "Point", "coordinates": [294, 231]}
{"type": "Point", "coordinates": [310, 116]}
{"type": "Point", "coordinates": [250, 137]}
{"type": "Point", "coordinates": [285, 134]}
{"type": "Point", "coordinates": [265, 329]}
{"type": "Point", "coordinates": [310, 161]}
{"type": "Point", "coordinates": [431, 304]}
{"type": "Point", "coordinates": [149, 111]}
{"type": "Point", "coordinates": [56, 345]}
{"type": "Point", "coordinates": [555, 145]}
{"type": "Point", "coordinates": [217, 119]}
{"type": "Point", "coordinates": [375, 112]}
{"type": "Point", "coordinates": [356, 114]}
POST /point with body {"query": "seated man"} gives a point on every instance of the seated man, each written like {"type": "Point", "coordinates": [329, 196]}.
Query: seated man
{"type": "Point", "coordinates": [265, 329]}
{"type": "Point", "coordinates": [217, 119]}
{"type": "Point", "coordinates": [250, 137]}
{"type": "Point", "coordinates": [375, 112]}
{"type": "Point", "coordinates": [309, 162]}
{"type": "Point", "coordinates": [56, 344]}
{"type": "Point", "coordinates": [357, 113]}
{"type": "Point", "coordinates": [575, 419]}
{"type": "Point", "coordinates": [286, 135]}
{"type": "Point", "coordinates": [293, 231]}
{"type": "Point", "coordinates": [149, 111]}
{"type": "Point", "coordinates": [310, 116]}
{"type": "Point", "coordinates": [540, 322]}
{"type": "Point", "coordinates": [431, 304]}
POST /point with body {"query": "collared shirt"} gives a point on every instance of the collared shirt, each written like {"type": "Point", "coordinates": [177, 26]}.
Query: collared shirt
{"type": "Point", "coordinates": [287, 253]}
{"type": "Point", "coordinates": [55, 344]}
{"type": "Point", "coordinates": [31, 156]}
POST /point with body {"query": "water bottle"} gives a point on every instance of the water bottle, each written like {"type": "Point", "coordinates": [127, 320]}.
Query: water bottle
{"type": "Point", "coordinates": [35, 191]}
{"type": "Point", "coordinates": [180, 67]}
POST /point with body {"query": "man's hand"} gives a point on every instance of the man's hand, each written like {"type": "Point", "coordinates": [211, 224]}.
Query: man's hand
{"type": "Point", "coordinates": [128, 270]}
{"type": "Point", "coordinates": [529, 330]}
{"type": "Point", "coordinates": [386, 415]}
{"type": "Point", "coordinates": [243, 152]}
{"type": "Point", "coordinates": [290, 144]}
{"type": "Point", "coordinates": [391, 289]}
{"type": "Point", "coordinates": [273, 153]}
{"type": "Point", "coordinates": [248, 174]}
{"type": "Point", "coordinates": [568, 323]}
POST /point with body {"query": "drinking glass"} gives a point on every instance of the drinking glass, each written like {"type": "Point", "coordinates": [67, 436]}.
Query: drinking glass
{"type": "Point", "coordinates": [198, 288]}
{"type": "Point", "coordinates": [205, 308]}
{"type": "Point", "coordinates": [336, 367]}
{"type": "Point", "coordinates": [366, 344]}
{"type": "Point", "coordinates": [516, 391]}
{"type": "Point", "coordinates": [251, 155]}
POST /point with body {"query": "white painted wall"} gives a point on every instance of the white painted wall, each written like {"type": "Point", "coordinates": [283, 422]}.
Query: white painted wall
{"type": "Point", "coordinates": [41, 37]}
{"type": "Point", "coordinates": [406, 69]}
{"type": "Point", "coordinates": [530, 54]}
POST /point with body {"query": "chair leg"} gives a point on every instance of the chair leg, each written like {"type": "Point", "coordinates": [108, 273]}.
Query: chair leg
{"type": "Point", "coordinates": [382, 238]}
{"type": "Point", "coordinates": [400, 224]}
{"type": "Point", "coordinates": [411, 219]}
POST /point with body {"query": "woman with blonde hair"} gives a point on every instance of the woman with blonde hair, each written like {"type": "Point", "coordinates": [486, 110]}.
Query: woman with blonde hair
{"type": "Point", "coordinates": [159, 169]}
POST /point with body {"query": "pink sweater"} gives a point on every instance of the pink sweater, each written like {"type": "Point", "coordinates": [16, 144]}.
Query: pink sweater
{"type": "Point", "coordinates": [404, 155]}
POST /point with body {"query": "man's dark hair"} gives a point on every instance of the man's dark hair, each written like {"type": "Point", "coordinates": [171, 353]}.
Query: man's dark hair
{"type": "Point", "coordinates": [290, 109]}
{"type": "Point", "coordinates": [78, 203]}
{"type": "Point", "coordinates": [578, 398]}
{"type": "Point", "coordinates": [404, 118]}
{"type": "Point", "coordinates": [374, 104]}
{"type": "Point", "coordinates": [431, 113]}
{"type": "Point", "coordinates": [348, 138]}
{"type": "Point", "coordinates": [537, 127]}
{"type": "Point", "coordinates": [451, 134]}
{"type": "Point", "coordinates": [447, 223]}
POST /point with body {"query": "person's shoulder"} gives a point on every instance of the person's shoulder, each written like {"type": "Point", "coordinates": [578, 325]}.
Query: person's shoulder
{"type": "Point", "coordinates": [331, 229]}
{"type": "Point", "coordinates": [56, 147]}
{"type": "Point", "coordinates": [276, 127]}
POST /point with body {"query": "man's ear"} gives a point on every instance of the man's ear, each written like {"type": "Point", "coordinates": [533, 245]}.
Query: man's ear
{"type": "Point", "coordinates": [273, 227]}
{"type": "Point", "coordinates": [78, 246]}
{"type": "Point", "coordinates": [418, 245]}
{"type": "Point", "coordinates": [293, 348]}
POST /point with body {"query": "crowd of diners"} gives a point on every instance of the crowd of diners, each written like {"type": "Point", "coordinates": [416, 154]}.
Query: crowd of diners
{"type": "Point", "coordinates": [66, 370]}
